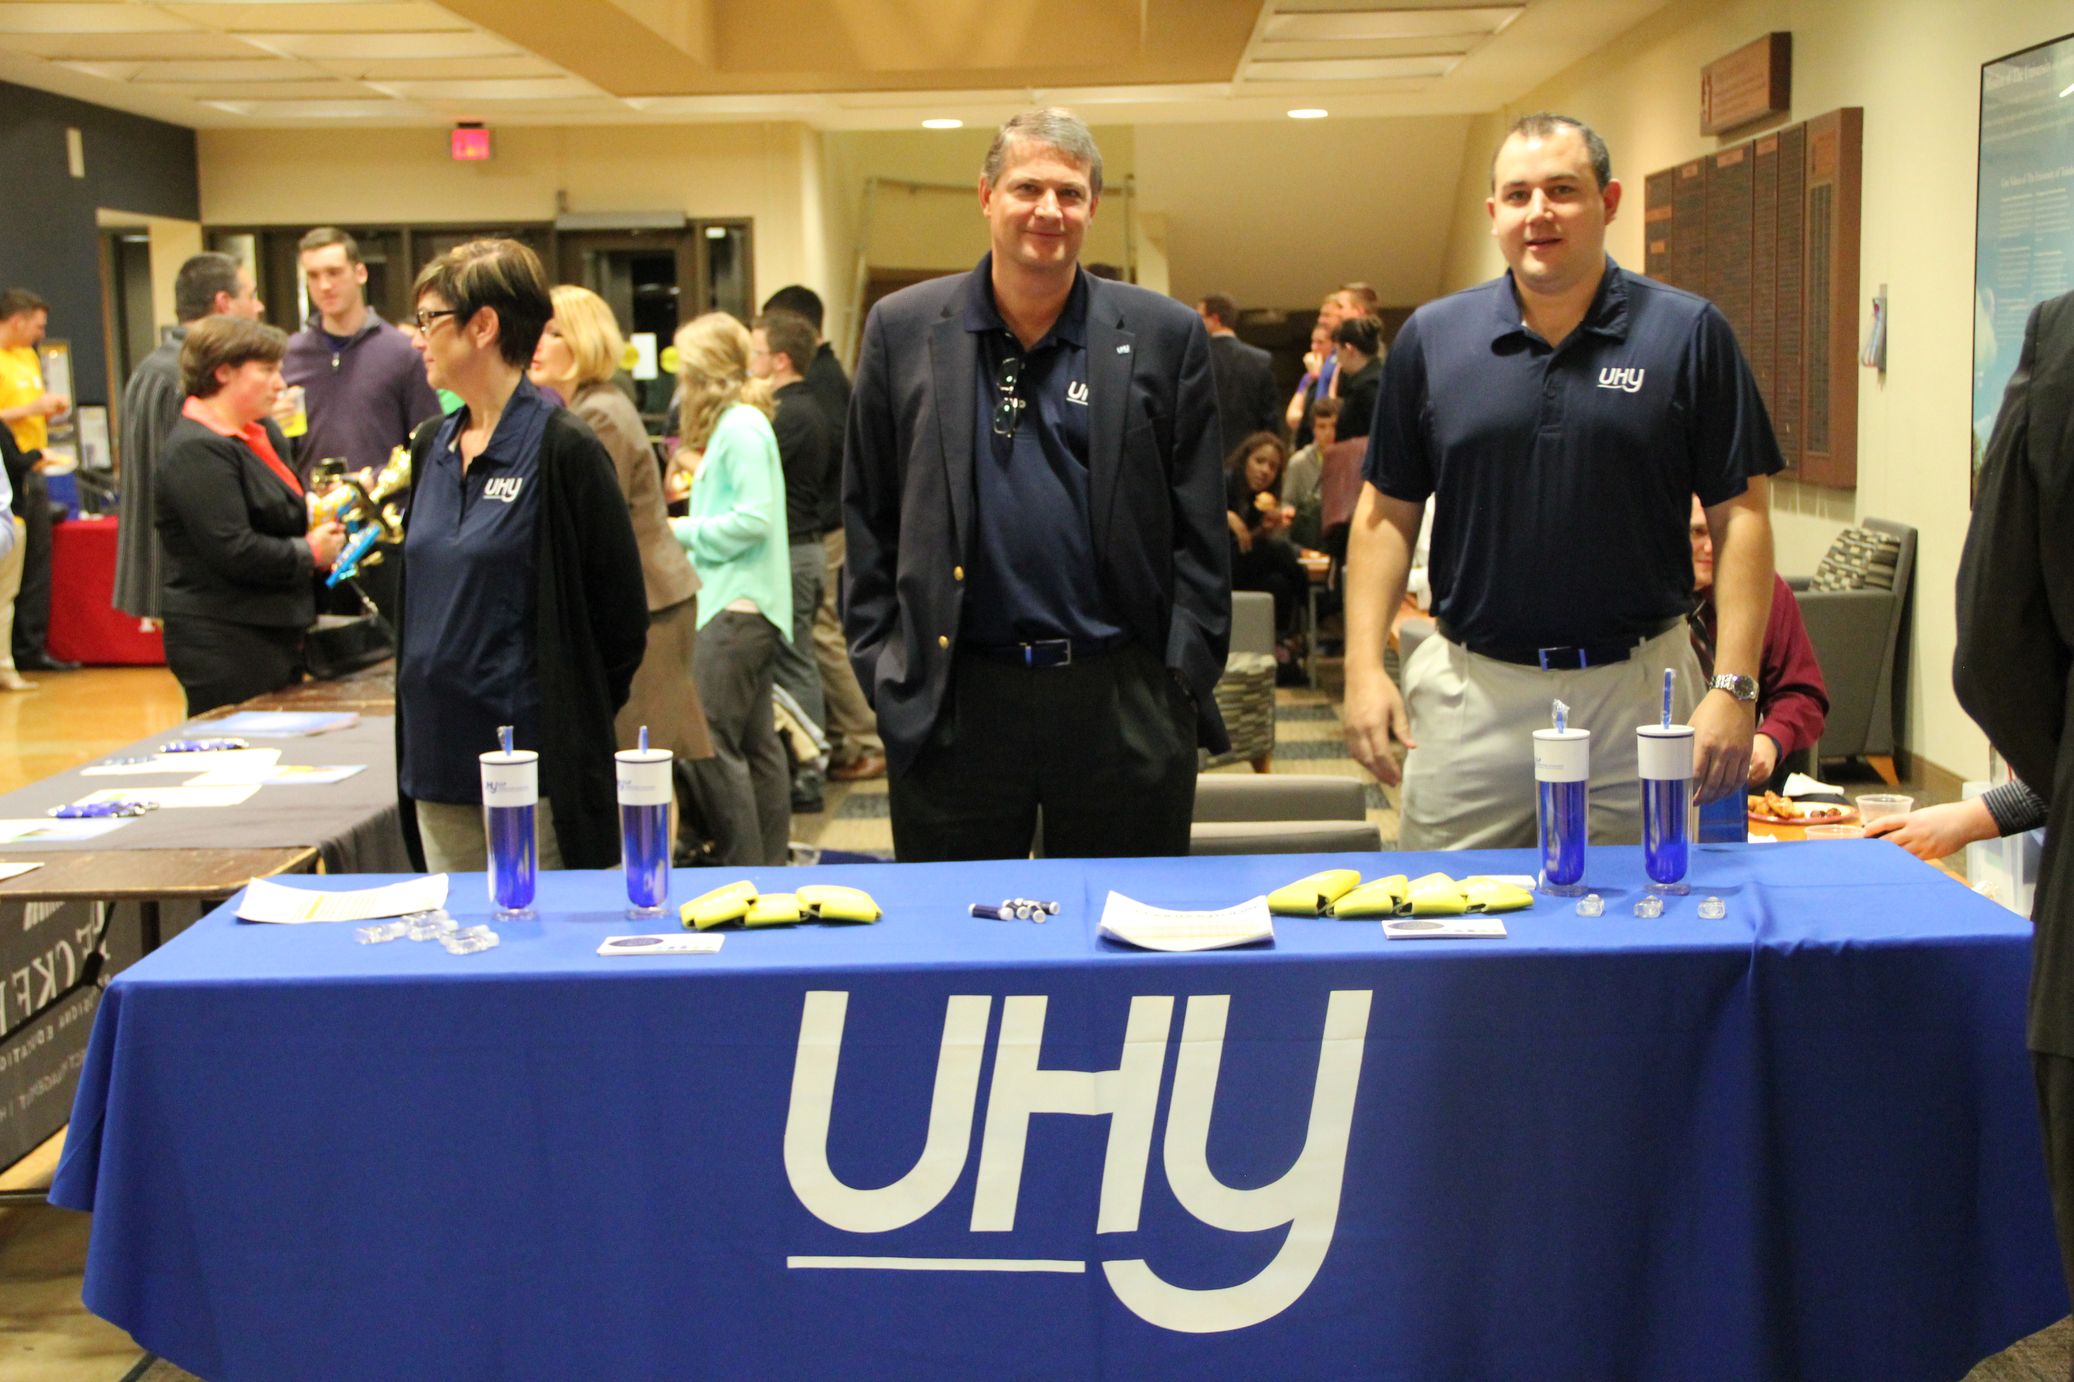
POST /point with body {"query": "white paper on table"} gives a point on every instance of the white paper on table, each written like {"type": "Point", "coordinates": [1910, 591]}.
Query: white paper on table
{"type": "Point", "coordinates": [1443, 928]}
{"type": "Point", "coordinates": [59, 831]}
{"type": "Point", "coordinates": [1159, 928]}
{"type": "Point", "coordinates": [8, 871]}
{"type": "Point", "coordinates": [700, 943]}
{"type": "Point", "coordinates": [278, 775]}
{"type": "Point", "coordinates": [189, 764]}
{"type": "Point", "coordinates": [174, 798]}
{"type": "Point", "coordinates": [266, 900]}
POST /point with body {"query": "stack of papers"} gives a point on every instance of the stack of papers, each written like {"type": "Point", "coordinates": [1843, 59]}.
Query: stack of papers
{"type": "Point", "coordinates": [50, 830]}
{"type": "Point", "coordinates": [1160, 928]}
{"type": "Point", "coordinates": [174, 798]}
{"type": "Point", "coordinates": [187, 764]}
{"type": "Point", "coordinates": [266, 900]}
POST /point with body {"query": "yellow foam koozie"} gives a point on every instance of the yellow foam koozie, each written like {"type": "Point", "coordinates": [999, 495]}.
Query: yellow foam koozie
{"type": "Point", "coordinates": [1313, 896]}
{"type": "Point", "coordinates": [1382, 898]}
{"type": "Point", "coordinates": [1495, 895]}
{"type": "Point", "coordinates": [1436, 895]}
{"type": "Point", "coordinates": [774, 909]}
{"type": "Point", "coordinates": [728, 902]}
{"type": "Point", "coordinates": [834, 902]}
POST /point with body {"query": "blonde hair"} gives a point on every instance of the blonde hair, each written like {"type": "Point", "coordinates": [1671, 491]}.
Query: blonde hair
{"type": "Point", "coordinates": [588, 329]}
{"type": "Point", "coordinates": [713, 361]}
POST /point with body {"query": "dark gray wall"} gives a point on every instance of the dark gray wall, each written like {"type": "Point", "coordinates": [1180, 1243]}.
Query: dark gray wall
{"type": "Point", "coordinates": [48, 238]}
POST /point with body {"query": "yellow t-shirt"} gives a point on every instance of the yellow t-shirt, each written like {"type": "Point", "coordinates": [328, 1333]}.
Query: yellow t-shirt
{"type": "Point", "coordinates": [21, 381]}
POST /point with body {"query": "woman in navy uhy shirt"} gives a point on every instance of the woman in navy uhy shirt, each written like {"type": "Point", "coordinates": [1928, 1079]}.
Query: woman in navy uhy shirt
{"type": "Point", "coordinates": [523, 599]}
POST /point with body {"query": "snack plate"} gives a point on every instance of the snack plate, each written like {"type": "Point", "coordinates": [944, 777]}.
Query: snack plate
{"type": "Point", "coordinates": [1844, 815]}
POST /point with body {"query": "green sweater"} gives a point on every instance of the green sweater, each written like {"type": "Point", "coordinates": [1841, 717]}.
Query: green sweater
{"type": "Point", "coordinates": [735, 531]}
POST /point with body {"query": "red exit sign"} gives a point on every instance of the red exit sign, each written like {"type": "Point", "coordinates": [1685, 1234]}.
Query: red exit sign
{"type": "Point", "coordinates": [470, 144]}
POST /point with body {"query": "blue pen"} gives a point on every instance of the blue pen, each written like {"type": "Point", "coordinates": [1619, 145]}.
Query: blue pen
{"type": "Point", "coordinates": [1670, 681]}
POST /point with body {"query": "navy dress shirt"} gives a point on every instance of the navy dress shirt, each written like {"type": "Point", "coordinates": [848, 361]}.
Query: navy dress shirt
{"type": "Point", "coordinates": [1033, 573]}
{"type": "Point", "coordinates": [469, 620]}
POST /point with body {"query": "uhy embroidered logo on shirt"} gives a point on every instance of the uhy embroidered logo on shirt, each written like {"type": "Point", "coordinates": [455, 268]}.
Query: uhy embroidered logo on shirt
{"type": "Point", "coordinates": [503, 488]}
{"type": "Point", "coordinates": [1304, 1200]}
{"type": "Point", "coordinates": [1076, 392]}
{"type": "Point", "coordinates": [1627, 380]}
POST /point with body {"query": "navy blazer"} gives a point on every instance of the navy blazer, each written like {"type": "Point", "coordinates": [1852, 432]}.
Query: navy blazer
{"type": "Point", "coordinates": [1157, 491]}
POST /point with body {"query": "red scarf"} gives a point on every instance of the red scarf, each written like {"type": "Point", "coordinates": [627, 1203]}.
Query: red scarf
{"type": "Point", "coordinates": [253, 435]}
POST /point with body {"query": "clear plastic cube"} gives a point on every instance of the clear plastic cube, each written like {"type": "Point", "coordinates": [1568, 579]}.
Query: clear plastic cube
{"type": "Point", "coordinates": [1712, 909]}
{"type": "Point", "coordinates": [1649, 906]}
{"type": "Point", "coordinates": [1591, 905]}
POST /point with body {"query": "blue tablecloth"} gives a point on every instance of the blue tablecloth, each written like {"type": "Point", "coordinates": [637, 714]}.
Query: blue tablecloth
{"type": "Point", "coordinates": [1797, 1142]}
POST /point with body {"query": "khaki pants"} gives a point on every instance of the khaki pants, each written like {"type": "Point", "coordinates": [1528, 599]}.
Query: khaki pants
{"type": "Point", "coordinates": [853, 730]}
{"type": "Point", "coordinates": [10, 586]}
{"type": "Point", "coordinates": [454, 842]}
{"type": "Point", "coordinates": [1470, 782]}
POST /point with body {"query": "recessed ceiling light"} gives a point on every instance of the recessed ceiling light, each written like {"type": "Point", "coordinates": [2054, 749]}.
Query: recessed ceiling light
{"type": "Point", "coordinates": [1308, 113]}
{"type": "Point", "coordinates": [943, 123]}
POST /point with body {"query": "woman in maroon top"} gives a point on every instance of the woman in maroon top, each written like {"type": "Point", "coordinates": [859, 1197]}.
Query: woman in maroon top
{"type": "Point", "coordinates": [1792, 700]}
{"type": "Point", "coordinates": [240, 555]}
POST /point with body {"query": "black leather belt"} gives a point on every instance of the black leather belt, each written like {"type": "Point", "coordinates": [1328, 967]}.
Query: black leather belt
{"type": "Point", "coordinates": [1045, 652]}
{"type": "Point", "coordinates": [1568, 657]}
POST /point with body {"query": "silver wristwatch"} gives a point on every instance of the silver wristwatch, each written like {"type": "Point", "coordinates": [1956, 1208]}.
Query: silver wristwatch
{"type": "Point", "coordinates": [1743, 689]}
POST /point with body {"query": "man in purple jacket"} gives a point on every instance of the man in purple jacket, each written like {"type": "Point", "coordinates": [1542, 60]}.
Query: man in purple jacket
{"type": "Point", "coordinates": [363, 382]}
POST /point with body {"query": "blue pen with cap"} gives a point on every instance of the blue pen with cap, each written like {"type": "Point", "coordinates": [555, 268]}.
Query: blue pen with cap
{"type": "Point", "coordinates": [510, 803]}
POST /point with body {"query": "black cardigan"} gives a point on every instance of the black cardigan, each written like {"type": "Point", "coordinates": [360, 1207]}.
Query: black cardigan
{"type": "Point", "coordinates": [233, 533]}
{"type": "Point", "coordinates": [592, 630]}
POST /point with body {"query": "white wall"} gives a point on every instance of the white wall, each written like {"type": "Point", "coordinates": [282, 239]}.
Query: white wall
{"type": "Point", "coordinates": [1914, 65]}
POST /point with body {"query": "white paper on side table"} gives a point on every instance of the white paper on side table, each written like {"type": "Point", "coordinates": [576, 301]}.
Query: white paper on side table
{"type": "Point", "coordinates": [56, 830]}
{"type": "Point", "coordinates": [8, 871]}
{"type": "Point", "coordinates": [188, 764]}
{"type": "Point", "coordinates": [1443, 928]}
{"type": "Point", "coordinates": [278, 775]}
{"type": "Point", "coordinates": [1162, 928]}
{"type": "Point", "coordinates": [174, 798]}
{"type": "Point", "coordinates": [266, 900]}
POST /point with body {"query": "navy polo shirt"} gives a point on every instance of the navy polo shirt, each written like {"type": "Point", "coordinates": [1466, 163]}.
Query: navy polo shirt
{"type": "Point", "coordinates": [469, 620]}
{"type": "Point", "coordinates": [1031, 574]}
{"type": "Point", "coordinates": [1562, 475]}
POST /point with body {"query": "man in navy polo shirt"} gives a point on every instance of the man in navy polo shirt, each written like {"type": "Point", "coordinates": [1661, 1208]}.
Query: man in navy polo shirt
{"type": "Point", "coordinates": [1038, 599]}
{"type": "Point", "coordinates": [1559, 417]}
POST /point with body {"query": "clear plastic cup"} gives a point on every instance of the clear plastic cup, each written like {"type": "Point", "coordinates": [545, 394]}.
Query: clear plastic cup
{"type": "Point", "coordinates": [1878, 804]}
{"type": "Point", "coordinates": [1836, 832]}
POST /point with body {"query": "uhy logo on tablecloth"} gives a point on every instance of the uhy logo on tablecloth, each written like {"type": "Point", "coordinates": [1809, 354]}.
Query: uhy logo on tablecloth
{"type": "Point", "coordinates": [1305, 1198]}
{"type": "Point", "coordinates": [1626, 380]}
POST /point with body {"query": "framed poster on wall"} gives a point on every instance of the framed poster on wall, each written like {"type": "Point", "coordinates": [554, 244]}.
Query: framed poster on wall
{"type": "Point", "coordinates": [2024, 230]}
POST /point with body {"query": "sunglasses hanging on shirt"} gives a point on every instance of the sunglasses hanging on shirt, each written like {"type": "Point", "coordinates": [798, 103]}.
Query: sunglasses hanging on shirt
{"type": "Point", "coordinates": [1008, 377]}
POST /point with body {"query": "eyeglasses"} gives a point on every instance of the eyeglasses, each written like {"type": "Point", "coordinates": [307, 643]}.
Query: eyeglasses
{"type": "Point", "coordinates": [425, 319]}
{"type": "Point", "coordinates": [1009, 411]}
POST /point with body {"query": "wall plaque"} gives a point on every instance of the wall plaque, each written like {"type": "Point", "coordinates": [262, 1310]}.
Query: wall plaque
{"type": "Point", "coordinates": [1749, 84]}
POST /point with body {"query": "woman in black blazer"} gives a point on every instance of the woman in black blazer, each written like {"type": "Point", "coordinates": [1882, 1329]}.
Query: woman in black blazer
{"type": "Point", "coordinates": [240, 555]}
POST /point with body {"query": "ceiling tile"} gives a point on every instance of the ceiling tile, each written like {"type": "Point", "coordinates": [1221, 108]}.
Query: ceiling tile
{"type": "Point", "coordinates": [116, 47]}
{"type": "Point", "coordinates": [316, 110]}
{"type": "Point", "coordinates": [1354, 24]}
{"type": "Point", "coordinates": [515, 89]}
{"type": "Point", "coordinates": [88, 19]}
{"type": "Point", "coordinates": [435, 69]}
{"type": "Point", "coordinates": [339, 46]}
{"type": "Point", "coordinates": [327, 89]}
{"type": "Point", "coordinates": [258, 68]}
{"type": "Point", "coordinates": [1349, 69]}
{"type": "Point", "coordinates": [321, 16]}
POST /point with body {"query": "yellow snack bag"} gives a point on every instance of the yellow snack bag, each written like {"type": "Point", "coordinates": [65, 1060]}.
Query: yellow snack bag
{"type": "Point", "coordinates": [834, 902]}
{"type": "Point", "coordinates": [1382, 898]}
{"type": "Point", "coordinates": [1312, 896]}
{"type": "Point", "coordinates": [774, 909]}
{"type": "Point", "coordinates": [1436, 895]}
{"type": "Point", "coordinates": [1495, 895]}
{"type": "Point", "coordinates": [728, 902]}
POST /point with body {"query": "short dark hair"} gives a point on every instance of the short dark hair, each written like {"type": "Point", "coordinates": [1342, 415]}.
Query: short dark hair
{"type": "Point", "coordinates": [1365, 334]}
{"type": "Point", "coordinates": [800, 301]}
{"type": "Point", "coordinates": [15, 301]}
{"type": "Point", "coordinates": [1543, 124]}
{"type": "Point", "coordinates": [200, 279]}
{"type": "Point", "coordinates": [1048, 128]}
{"type": "Point", "coordinates": [788, 334]}
{"type": "Point", "coordinates": [502, 275]}
{"type": "Point", "coordinates": [1326, 408]}
{"type": "Point", "coordinates": [325, 236]}
{"type": "Point", "coordinates": [214, 342]}
{"type": "Point", "coordinates": [1221, 306]}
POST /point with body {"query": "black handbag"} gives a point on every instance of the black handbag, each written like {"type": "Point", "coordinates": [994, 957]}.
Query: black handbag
{"type": "Point", "coordinates": [340, 644]}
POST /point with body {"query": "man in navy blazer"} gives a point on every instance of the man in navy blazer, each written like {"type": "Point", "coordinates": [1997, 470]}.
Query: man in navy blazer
{"type": "Point", "coordinates": [1037, 595]}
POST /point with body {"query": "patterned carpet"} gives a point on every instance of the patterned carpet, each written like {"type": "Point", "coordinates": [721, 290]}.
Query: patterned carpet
{"type": "Point", "coordinates": [1307, 740]}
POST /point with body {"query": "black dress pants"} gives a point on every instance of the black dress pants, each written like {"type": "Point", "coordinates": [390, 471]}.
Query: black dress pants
{"type": "Point", "coordinates": [32, 604]}
{"type": "Point", "coordinates": [1104, 747]}
{"type": "Point", "coordinates": [1271, 565]}
{"type": "Point", "coordinates": [218, 662]}
{"type": "Point", "coordinates": [2055, 1080]}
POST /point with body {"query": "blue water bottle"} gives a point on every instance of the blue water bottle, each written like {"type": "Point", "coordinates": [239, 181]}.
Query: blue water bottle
{"type": "Point", "coordinates": [1663, 755]}
{"type": "Point", "coordinates": [1562, 783]}
{"type": "Point", "coordinates": [510, 801]}
{"type": "Point", "coordinates": [644, 827]}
